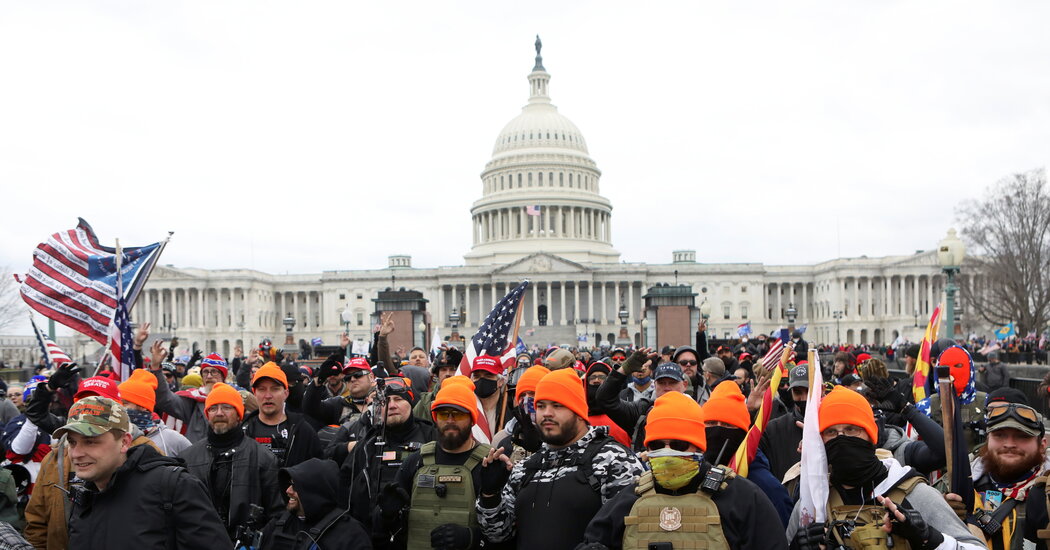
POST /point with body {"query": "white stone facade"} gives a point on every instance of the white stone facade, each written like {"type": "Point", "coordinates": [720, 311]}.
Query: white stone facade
{"type": "Point", "coordinates": [579, 283]}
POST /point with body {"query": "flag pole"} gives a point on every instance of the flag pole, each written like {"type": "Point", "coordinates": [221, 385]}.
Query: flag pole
{"type": "Point", "coordinates": [120, 294]}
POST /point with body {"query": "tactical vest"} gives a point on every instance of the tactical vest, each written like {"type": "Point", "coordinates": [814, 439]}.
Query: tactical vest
{"type": "Point", "coordinates": [864, 523]}
{"type": "Point", "coordinates": [442, 494]}
{"type": "Point", "coordinates": [685, 521]}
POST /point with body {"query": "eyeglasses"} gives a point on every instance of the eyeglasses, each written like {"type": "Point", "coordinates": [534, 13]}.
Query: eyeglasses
{"type": "Point", "coordinates": [687, 363]}
{"type": "Point", "coordinates": [999, 412]}
{"type": "Point", "coordinates": [597, 378]}
{"type": "Point", "coordinates": [224, 407]}
{"type": "Point", "coordinates": [850, 430]}
{"type": "Point", "coordinates": [451, 414]}
{"type": "Point", "coordinates": [358, 373]}
{"type": "Point", "coordinates": [675, 444]}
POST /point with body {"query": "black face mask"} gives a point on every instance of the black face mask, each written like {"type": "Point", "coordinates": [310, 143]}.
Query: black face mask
{"type": "Point", "coordinates": [592, 393]}
{"type": "Point", "coordinates": [785, 395]}
{"type": "Point", "coordinates": [719, 436]}
{"type": "Point", "coordinates": [483, 387]}
{"type": "Point", "coordinates": [801, 407]}
{"type": "Point", "coordinates": [853, 462]}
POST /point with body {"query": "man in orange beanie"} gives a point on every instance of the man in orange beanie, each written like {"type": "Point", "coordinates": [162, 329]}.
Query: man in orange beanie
{"type": "Point", "coordinates": [441, 480]}
{"type": "Point", "coordinates": [139, 397]}
{"type": "Point", "coordinates": [580, 464]}
{"type": "Point", "coordinates": [664, 507]}
{"type": "Point", "coordinates": [866, 490]}
{"type": "Point", "coordinates": [286, 434]}
{"type": "Point", "coordinates": [238, 471]}
{"type": "Point", "coordinates": [726, 422]}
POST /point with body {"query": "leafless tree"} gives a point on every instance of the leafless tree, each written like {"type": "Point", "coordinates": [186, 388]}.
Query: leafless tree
{"type": "Point", "coordinates": [11, 304]}
{"type": "Point", "coordinates": [1008, 233]}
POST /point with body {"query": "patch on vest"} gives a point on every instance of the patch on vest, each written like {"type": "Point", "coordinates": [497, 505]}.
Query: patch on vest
{"type": "Point", "coordinates": [425, 481]}
{"type": "Point", "coordinates": [450, 479]}
{"type": "Point", "coordinates": [670, 519]}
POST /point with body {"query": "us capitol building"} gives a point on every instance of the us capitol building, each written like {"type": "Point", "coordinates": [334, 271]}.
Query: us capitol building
{"type": "Point", "coordinates": [541, 216]}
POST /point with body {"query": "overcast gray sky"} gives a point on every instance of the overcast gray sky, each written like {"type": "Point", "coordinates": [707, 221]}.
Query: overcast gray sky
{"type": "Point", "coordinates": [304, 136]}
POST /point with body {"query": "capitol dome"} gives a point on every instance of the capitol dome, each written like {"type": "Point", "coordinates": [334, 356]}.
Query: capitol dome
{"type": "Point", "coordinates": [540, 189]}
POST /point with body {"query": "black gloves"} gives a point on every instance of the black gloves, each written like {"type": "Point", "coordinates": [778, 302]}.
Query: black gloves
{"type": "Point", "coordinates": [915, 530]}
{"type": "Point", "coordinates": [526, 434]}
{"type": "Point", "coordinates": [194, 359]}
{"type": "Point", "coordinates": [451, 537]}
{"type": "Point", "coordinates": [392, 500]}
{"type": "Point", "coordinates": [635, 362]}
{"type": "Point", "coordinates": [64, 377]}
{"type": "Point", "coordinates": [493, 478]}
{"type": "Point", "coordinates": [333, 366]}
{"type": "Point", "coordinates": [810, 537]}
{"type": "Point", "coordinates": [453, 357]}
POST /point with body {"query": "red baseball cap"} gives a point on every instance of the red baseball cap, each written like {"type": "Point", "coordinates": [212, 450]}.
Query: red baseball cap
{"type": "Point", "coordinates": [487, 363]}
{"type": "Point", "coordinates": [357, 363]}
{"type": "Point", "coordinates": [102, 386]}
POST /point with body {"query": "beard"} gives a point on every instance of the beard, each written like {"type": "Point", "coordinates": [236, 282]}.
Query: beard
{"type": "Point", "coordinates": [452, 437]}
{"type": "Point", "coordinates": [558, 435]}
{"type": "Point", "coordinates": [222, 427]}
{"type": "Point", "coordinates": [1005, 473]}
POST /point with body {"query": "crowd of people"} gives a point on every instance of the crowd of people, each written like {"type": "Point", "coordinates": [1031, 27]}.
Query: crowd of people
{"type": "Point", "coordinates": [560, 449]}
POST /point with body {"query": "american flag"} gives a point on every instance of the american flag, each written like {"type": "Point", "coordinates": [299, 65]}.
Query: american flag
{"type": "Point", "coordinates": [498, 333]}
{"type": "Point", "coordinates": [73, 279]}
{"type": "Point", "coordinates": [53, 355]}
{"type": "Point", "coordinates": [532, 210]}
{"type": "Point", "coordinates": [122, 341]}
{"type": "Point", "coordinates": [317, 342]}
{"type": "Point", "coordinates": [496, 337]}
{"type": "Point", "coordinates": [776, 348]}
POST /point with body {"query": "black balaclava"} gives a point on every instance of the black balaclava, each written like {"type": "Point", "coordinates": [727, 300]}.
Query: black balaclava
{"type": "Point", "coordinates": [719, 436]}
{"type": "Point", "coordinates": [853, 462]}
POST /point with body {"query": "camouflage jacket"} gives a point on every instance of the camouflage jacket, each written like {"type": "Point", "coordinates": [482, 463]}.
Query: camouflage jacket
{"type": "Point", "coordinates": [615, 467]}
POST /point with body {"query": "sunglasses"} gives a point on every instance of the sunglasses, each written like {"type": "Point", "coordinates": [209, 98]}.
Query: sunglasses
{"type": "Point", "coordinates": [675, 444]}
{"type": "Point", "coordinates": [451, 414]}
{"type": "Point", "coordinates": [998, 412]}
{"type": "Point", "coordinates": [357, 373]}
{"type": "Point", "coordinates": [687, 363]}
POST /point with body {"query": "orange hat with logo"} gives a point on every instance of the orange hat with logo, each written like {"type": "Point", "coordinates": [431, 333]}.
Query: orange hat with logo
{"type": "Point", "coordinates": [224, 393]}
{"type": "Point", "coordinates": [845, 406]}
{"type": "Point", "coordinates": [726, 404]}
{"type": "Point", "coordinates": [675, 415]}
{"type": "Point", "coordinates": [138, 392]}
{"type": "Point", "coordinates": [272, 371]}
{"type": "Point", "coordinates": [563, 386]}
{"type": "Point", "coordinates": [458, 379]}
{"type": "Point", "coordinates": [530, 378]}
{"type": "Point", "coordinates": [458, 396]}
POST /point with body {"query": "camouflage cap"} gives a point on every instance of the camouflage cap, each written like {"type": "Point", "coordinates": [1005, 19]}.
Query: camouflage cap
{"type": "Point", "coordinates": [94, 416]}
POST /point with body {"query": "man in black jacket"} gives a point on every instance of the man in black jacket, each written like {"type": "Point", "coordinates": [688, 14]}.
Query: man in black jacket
{"type": "Point", "coordinates": [237, 470]}
{"type": "Point", "coordinates": [132, 497]}
{"type": "Point", "coordinates": [783, 434]}
{"type": "Point", "coordinates": [630, 415]}
{"type": "Point", "coordinates": [287, 435]}
{"type": "Point", "coordinates": [311, 518]}
{"type": "Point", "coordinates": [363, 475]}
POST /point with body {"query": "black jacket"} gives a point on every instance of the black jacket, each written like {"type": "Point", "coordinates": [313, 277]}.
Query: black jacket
{"type": "Point", "coordinates": [357, 485]}
{"type": "Point", "coordinates": [254, 477]}
{"type": "Point", "coordinates": [130, 512]}
{"type": "Point", "coordinates": [743, 511]}
{"type": "Point", "coordinates": [624, 414]}
{"type": "Point", "coordinates": [325, 524]}
{"type": "Point", "coordinates": [780, 443]}
{"type": "Point", "coordinates": [302, 438]}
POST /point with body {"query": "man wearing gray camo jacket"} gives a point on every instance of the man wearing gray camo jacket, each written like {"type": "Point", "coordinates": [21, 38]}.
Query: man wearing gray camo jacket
{"type": "Point", "coordinates": [547, 500]}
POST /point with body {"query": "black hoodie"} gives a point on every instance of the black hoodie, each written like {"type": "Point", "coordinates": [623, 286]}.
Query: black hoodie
{"type": "Point", "coordinates": [324, 522]}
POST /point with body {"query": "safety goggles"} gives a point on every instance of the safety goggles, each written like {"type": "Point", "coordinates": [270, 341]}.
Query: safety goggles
{"type": "Point", "coordinates": [1000, 412]}
{"type": "Point", "coordinates": [675, 444]}
{"type": "Point", "coordinates": [451, 414]}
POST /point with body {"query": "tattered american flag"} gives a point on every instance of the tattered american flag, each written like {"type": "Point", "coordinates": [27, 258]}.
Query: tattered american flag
{"type": "Point", "coordinates": [53, 355]}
